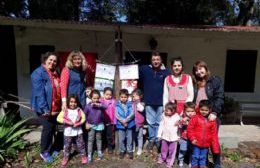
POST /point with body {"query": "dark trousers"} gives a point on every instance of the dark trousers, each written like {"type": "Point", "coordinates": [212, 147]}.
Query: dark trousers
{"type": "Point", "coordinates": [217, 157]}
{"type": "Point", "coordinates": [48, 133]}
{"type": "Point", "coordinates": [110, 134]}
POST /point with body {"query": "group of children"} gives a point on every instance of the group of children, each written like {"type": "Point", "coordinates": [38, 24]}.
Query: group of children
{"type": "Point", "coordinates": [103, 114]}
{"type": "Point", "coordinates": [191, 130]}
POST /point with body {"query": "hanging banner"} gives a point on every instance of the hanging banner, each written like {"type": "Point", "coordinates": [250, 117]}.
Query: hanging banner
{"type": "Point", "coordinates": [105, 75]}
{"type": "Point", "coordinates": [105, 71]}
{"type": "Point", "coordinates": [129, 84]}
{"type": "Point", "coordinates": [128, 72]}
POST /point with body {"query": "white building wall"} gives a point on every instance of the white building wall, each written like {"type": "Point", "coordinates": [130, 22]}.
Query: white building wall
{"type": "Point", "coordinates": [191, 45]}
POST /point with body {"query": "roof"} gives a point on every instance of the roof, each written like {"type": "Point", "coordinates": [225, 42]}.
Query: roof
{"type": "Point", "coordinates": [112, 26]}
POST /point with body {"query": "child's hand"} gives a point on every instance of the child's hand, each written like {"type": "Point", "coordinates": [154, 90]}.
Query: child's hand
{"type": "Point", "coordinates": [194, 142]}
{"type": "Point", "coordinates": [88, 126]}
{"type": "Point", "coordinates": [177, 123]}
{"type": "Point", "coordinates": [125, 124]}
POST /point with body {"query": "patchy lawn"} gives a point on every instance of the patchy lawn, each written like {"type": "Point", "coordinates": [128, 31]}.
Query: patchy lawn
{"type": "Point", "coordinates": [30, 158]}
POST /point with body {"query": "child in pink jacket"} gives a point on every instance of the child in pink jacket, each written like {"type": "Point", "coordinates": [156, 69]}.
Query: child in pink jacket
{"type": "Point", "coordinates": [109, 115]}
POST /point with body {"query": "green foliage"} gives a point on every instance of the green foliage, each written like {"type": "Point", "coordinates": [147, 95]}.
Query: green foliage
{"type": "Point", "coordinates": [234, 156]}
{"type": "Point", "coordinates": [11, 133]}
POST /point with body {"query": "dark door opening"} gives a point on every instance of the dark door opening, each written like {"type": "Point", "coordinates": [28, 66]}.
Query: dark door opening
{"type": "Point", "coordinates": [8, 66]}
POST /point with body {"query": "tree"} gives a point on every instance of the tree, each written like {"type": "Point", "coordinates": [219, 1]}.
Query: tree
{"type": "Point", "coordinates": [103, 10]}
{"type": "Point", "coordinates": [54, 9]}
{"type": "Point", "coordinates": [14, 8]}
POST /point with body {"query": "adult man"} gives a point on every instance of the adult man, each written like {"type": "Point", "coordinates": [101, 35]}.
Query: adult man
{"type": "Point", "coordinates": [152, 76]}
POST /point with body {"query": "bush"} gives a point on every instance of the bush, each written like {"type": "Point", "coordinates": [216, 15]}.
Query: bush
{"type": "Point", "coordinates": [11, 132]}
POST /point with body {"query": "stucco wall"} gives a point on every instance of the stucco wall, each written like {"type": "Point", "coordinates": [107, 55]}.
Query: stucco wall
{"type": "Point", "coordinates": [190, 45]}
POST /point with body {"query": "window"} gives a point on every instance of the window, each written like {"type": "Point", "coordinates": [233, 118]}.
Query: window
{"type": "Point", "coordinates": [240, 70]}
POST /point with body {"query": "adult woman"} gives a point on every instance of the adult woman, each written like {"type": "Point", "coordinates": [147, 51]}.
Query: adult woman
{"type": "Point", "coordinates": [210, 88]}
{"type": "Point", "coordinates": [73, 78]}
{"type": "Point", "coordinates": [178, 86]}
{"type": "Point", "coordinates": [46, 100]}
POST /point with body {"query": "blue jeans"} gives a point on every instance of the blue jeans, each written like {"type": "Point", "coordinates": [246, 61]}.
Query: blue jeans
{"type": "Point", "coordinates": [122, 135]}
{"type": "Point", "coordinates": [185, 146]}
{"type": "Point", "coordinates": [199, 156]}
{"type": "Point", "coordinates": [139, 137]}
{"type": "Point", "coordinates": [153, 118]}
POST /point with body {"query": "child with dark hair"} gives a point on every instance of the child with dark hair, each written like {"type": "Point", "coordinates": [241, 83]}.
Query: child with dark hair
{"type": "Point", "coordinates": [189, 112]}
{"type": "Point", "coordinates": [202, 133]}
{"type": "Point", "coordinates": [138, 108]}
{"type": "Point", "coordinates": [110, 120]}
{"type": "Point", "coordinates": [125, 124]}
{"type": "Point", "coordinates": [73, 117]}
{"type": "Point", "coordinates": [95, 123]}
{"type": "Point", "coordinates": [168, 133]}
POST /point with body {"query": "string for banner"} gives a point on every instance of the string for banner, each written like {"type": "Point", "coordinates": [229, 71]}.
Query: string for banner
{"type": "Point", "coordinates": [130, 53]}
{"type": "Point", "coordinates": [105, 53]}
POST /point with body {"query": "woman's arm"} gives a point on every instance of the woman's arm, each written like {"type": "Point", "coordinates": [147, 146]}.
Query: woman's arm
{"type": "Point", "coordinates": [190, 90]}
{"type": "Point", "coordinates": [165, 91]}
{"type": "Point", "coordinates": [64, 83]}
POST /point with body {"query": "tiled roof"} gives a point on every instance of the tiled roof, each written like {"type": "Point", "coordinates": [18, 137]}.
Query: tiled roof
{"type": "Point", "coordinates": [34, 22]}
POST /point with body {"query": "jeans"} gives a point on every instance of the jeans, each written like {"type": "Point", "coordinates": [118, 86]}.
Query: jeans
{"type": "Point", "coordinates": [199, 156]}
{"type": "Point", "coordinates": [125, 134]}
{"type": "Point", "coordinates": [139, 137]}
{"type": "Point", "coordinates": [153, 118]}
{"type": "Point", "coordinates": [168, 151]}
{"type": "Point", "coordinates": [185, 147]}
{"type": "Point", "coordinates": [92, 134]}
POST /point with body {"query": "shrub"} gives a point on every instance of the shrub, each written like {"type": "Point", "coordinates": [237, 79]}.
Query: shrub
{"type": "Point", "coordinates": [11, 132]}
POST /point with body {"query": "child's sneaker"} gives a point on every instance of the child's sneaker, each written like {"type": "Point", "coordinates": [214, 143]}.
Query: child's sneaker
{"type": "Point", "coordinates": [168, 165]}
{"type": "Point", "coordinates": [181, 163]}
{"type": "Point", "coordinates": [139, 152]}
{"type": "Point", "coordinates": [84, 160]}
{"type": "Point", "coordinates": [100, 155]}
{"type": "Point", "coordinates": [64, 162]}
{"type": "Point", "coordinates": [55, 154]}
{"type": "Point", "coordinates": [160, 161]}
{"type": "Point", "coordinates": [46, 157]}
{"type": "Point", "coordinates": [131, 155]}
{"type": "Point", "coordinates": [121, 155]}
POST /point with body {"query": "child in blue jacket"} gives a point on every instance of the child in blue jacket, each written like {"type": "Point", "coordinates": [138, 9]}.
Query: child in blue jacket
{"type": "Point", "coordinates": [125, 124]}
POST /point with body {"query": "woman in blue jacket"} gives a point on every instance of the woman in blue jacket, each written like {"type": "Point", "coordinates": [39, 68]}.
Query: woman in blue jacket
{"type": "Point", "coordinates": [46, 100]}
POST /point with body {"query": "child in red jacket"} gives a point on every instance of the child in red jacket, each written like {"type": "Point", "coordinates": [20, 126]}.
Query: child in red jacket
{"type": "Point", "coordinates": [203, 134]}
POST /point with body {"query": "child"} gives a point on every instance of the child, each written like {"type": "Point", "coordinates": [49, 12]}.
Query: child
{"type": "Point", "coordinates": [125, 124]}
{"type": "Point", "coordinates": [88, 91]}
{"type": "Point", "coordinates": [167, 132]}
{"type": "Point", "coordinates": [189, 111]}
{"type": "Point", "coordinates": [202, 133]}
{"type": "Point", "coordinates": [110, 103]}
{"type": "Point", "coordinates": [73, 118]}
{"type": "Point", "coordinates": [95, 123]}
{"type": "Point", "coordinates": [138, 108]}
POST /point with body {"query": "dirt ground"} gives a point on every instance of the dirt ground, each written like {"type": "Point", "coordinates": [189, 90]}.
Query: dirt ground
{"type": "Point", "coordinates": [146, 160]}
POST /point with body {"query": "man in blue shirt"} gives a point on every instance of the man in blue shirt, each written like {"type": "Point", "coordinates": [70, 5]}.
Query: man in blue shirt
{"type": "Point", "coordinates": [152, 76]}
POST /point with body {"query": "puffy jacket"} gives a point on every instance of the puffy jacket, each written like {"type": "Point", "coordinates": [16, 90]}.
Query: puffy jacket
{"type": "Point", "coordinates": [205, 132]}
{"type": "Point", "coordinates": [215, 93]}
{"type": "Point", "coordinates": [122, 114]}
